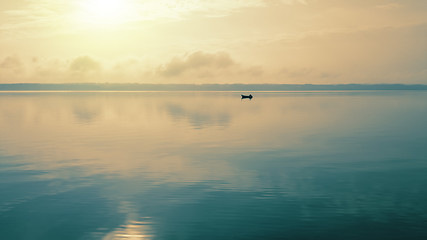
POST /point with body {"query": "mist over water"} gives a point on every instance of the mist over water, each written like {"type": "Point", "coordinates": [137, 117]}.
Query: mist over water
{"type": "Point", "coordinates": [208, 165]}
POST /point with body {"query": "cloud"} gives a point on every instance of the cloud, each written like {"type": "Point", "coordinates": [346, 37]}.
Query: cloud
{"type": "Point", "coordinates": [195, 62]}
{"type": "Point", "coordinates": [389, 6]}
{"type": "Point", "coordinates": [15, 69]}
{"type": "Point", "coordinates": [36, 18]}
{"type": "Point", "coordinates": [47, 17]}
{"type": "Point", "coordinates": [252, 71]}
{"type": "Point", "coordinates": [199, 66]}
{"type": "Point", "coordinates": [12, 63]}
{"type": "Point", "coordinates": [84, 64]}
{"type": "Point", "coordinates": [306, 75]}
{"type": "Point", "coordinates": [288, 2]}
{"type": "Point", "coordinates": [377, 55]}
{"type": "Point", "coordinates": [11, 68]}
{"type": "Point", "coordinates": [206, 67]}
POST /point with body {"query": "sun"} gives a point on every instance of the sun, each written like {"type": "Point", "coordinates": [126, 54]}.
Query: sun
{"type": "Point", "coordinates": [104, 12]}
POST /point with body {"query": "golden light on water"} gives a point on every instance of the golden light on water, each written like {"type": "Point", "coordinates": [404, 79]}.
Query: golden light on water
{"type": "Point", "coordinates": [132, 230]}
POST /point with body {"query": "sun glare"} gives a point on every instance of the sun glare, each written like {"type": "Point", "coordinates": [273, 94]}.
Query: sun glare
{"type": "Point", "coordinates": [104, 12]}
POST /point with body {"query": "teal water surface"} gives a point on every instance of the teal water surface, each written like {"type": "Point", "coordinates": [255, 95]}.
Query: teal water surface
{"type": "Point", "coordinates": [208, 165]}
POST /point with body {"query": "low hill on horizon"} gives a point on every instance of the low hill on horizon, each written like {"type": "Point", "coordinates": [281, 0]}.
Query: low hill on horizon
{"type": "Point", "coordinates": [203, 87]}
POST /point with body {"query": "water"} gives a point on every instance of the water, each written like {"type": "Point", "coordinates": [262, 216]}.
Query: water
{"type": "Point", "coordinates": [174, 165]}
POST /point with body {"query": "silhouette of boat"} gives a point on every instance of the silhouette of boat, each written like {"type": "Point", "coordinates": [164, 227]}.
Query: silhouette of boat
{"type": "Point", "coordinates": [247, 96]}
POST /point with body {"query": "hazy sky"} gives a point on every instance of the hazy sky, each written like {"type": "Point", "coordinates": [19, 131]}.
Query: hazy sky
{"type": "Point", "coordinates": [216, 41]}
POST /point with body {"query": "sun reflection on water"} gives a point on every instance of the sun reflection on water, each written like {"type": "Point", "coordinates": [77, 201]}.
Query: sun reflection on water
{"type": "Point", "coordinates": [132, 230]}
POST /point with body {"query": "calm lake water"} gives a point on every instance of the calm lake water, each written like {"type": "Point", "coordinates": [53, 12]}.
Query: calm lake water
{"type": "Point", "coordinates": [176, 165]}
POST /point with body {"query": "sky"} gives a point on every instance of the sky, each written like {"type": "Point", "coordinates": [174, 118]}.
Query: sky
{"type": "Point", "coordinates": [216, 41]}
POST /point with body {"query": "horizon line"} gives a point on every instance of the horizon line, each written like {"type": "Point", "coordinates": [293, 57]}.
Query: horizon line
{"type": "Point", "coordinates": [266, 87]}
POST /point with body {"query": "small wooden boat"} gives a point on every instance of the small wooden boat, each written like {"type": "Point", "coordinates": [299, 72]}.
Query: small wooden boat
{"type": "Point", "coordinates": [247, 96]}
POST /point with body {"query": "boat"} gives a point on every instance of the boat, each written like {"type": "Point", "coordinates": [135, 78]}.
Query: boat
{"type": "Point", "coordinates": [247, 96]}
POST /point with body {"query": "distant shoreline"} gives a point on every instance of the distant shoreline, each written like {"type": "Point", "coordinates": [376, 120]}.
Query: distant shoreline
{"type": "Point", "coordinates": [203, 87]}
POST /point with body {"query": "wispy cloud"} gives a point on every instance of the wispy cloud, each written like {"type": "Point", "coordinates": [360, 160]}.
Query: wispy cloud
{"type": "Point", "coordinates": [37, 18]}
{"type": "Point", "coordinates": [62, 15]}
{"type": "Point", "coordinates": [389, 6]}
